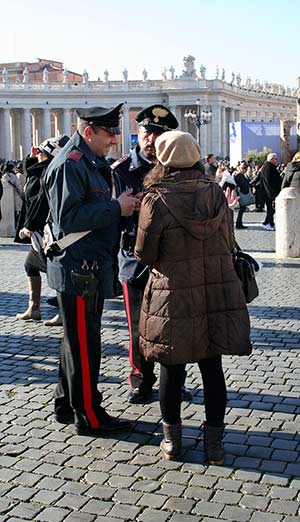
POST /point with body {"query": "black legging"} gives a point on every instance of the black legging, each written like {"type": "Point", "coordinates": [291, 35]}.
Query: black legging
{"type": "Point", "coordinates": [35, 263]}
{"type": "Point", "coordinates": [214, 391]}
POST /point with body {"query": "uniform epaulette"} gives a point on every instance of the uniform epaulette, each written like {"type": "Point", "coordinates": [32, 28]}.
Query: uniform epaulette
{"type": "Point", "coordinates": [119, 161]}
{"type": "Point", "coordinates": [75, 155]}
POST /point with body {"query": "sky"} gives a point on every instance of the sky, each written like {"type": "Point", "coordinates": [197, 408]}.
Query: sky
{"type": "Point", "coordinates": [256, 38]}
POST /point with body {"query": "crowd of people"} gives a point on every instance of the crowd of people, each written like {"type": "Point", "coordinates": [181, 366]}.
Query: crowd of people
{"type": "Point", "coordinates": [161, 223]}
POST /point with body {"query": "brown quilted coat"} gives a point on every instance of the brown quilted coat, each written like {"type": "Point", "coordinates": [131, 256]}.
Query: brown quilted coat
{"type": "Point", "coordinates": [193, 306]}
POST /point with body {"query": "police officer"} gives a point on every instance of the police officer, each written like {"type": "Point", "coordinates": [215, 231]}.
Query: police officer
{"type": "Point", "coordinates": [129, 172]}
{"type": "Point", "coordinates": [78, 184]}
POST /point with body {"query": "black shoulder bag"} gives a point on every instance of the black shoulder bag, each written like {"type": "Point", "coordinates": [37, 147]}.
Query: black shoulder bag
{"type": "Point", "coordinates": [245, 267]}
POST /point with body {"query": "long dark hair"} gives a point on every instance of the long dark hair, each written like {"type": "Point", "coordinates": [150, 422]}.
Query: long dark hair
{"type": "Point", "coordinates": [159, 172]}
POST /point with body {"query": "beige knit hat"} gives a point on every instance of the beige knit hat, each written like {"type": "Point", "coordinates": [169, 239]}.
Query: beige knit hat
{"type": "Point", "coordinates": [177, 149]}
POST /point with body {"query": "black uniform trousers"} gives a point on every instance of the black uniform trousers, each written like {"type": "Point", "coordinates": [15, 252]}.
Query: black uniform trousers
{"type": "Point", "coordinates": [214, 387]}
{"type": "Point", "coordinates": [80, 360]}
{"type": "Point", "coordinates": [142, 373]}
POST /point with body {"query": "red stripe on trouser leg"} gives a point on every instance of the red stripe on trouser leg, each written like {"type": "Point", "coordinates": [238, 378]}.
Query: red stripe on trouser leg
{"type": "Point", "coordinates": [136, 370]}
{"type": "Point", "coordinates": [85, 368]}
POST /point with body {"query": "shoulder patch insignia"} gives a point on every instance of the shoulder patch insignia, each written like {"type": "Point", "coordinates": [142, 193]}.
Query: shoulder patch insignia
{"type": "Point", "coordinates": [119, 161]}
{"type": "Point", "coordinates": [75, 155]}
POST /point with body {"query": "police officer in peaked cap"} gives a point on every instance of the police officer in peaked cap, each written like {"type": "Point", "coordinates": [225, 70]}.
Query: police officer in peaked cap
{"type": "Point", "coordinates": [129, 172]}
{"type": "Point", "coordinates": [78, 185]}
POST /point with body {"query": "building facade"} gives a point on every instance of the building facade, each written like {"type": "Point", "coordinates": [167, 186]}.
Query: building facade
{"type": "Point", "coordinates": [32, 110]}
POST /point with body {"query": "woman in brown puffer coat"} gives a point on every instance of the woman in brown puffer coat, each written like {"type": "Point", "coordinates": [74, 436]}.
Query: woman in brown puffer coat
{"type": "Point", "coordinates": [193, 308]}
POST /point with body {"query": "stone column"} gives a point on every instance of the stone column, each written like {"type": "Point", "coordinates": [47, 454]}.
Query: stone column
{"type": "Point", "coordinates": [224, 132]}
{"type": "Point", "coordinates": [237, 115]}
{"type": "Point", "coordinates": [67, 122]}
{"type": "Point", "coordinates": [176, 110]}
{"type": "Point", "coordinates": [287, 223]}
{"type": "Point", "coordinates": [7, 134]}
{"type": "Point", "coordinates": [125, 129]}
{"type": "Point", "coordinates": [16, 134]}
{"type": "Point", "coordinates": [26, 133]}
{"type": "Point", "coordinates": [216, 130]}
{"type": "Point", "coordinates": [203, 139]}
{"type": "Point", "coordinates": [46, 124]}
{"type": "Point", "coordinates": [231, 115]}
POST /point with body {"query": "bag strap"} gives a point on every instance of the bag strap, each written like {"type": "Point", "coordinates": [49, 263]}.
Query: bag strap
{"type": "Point", "coordinates": [66, 241]}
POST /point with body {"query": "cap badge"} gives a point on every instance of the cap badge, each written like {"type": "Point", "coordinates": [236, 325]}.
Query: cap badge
{"type": "Point", "coordinates": [158, 112]}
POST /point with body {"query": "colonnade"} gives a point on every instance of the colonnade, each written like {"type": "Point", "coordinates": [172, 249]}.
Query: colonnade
{"type": "Point", "coordinates": [22, 127]}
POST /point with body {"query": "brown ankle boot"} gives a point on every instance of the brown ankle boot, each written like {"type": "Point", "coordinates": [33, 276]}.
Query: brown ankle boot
{"type": "Point", "coordinates": [171, 444]}
{"type": "Point", "coordinates": [33, 310]}
{"type": "Point", "coordinates": [213, 446]}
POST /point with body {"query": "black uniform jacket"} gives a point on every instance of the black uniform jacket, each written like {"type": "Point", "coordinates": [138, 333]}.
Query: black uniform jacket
{"type": "Point", "coordinates": [35, 208]}
{"type": "Point", "coordinates": [78, 186]}
{"type": "Point", "coordinates": [129, 172]}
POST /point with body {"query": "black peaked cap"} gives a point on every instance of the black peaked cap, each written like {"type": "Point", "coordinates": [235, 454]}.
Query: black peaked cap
{"type": "Point", "coordinates": [101, 116]}
{"type": "Point", "coordinates": [157, 118]}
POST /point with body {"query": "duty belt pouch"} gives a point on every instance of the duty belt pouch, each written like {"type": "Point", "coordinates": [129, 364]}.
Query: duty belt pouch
{"type": "Point", "coordinates": [87, 285]}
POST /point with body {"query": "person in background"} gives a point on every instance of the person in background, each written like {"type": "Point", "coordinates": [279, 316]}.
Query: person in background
{"type": "Point", "coordinates": [33, 216]}
{"type": "Point", "coordinates": [243, 186]}
{"type": "Point", "coordinates": [193, 309]}
{"type": "Point", "coordinates": [9, 175]}
{"type": "Point", "coordinates": [292, 173]}
{"type": "Point", "coordinates": [210, 166]}
{"type": "Point", "coordinates": [271, 186]}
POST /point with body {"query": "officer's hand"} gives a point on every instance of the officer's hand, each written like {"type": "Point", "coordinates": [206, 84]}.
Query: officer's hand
{"type": "Point", "coordinates": [34, 152]}
{"type": "Point", "coordinates": [128, 203]}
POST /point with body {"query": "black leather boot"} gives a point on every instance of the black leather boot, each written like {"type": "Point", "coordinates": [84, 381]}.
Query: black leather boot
{"type": "Point", "coordinates": [171, 443]}
{"type": "Point", "coordinates": [213, 447]}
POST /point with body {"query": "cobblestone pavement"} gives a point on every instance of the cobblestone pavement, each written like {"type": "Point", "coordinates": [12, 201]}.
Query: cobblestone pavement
{"type": "Point", "coordinates": [50, 474]}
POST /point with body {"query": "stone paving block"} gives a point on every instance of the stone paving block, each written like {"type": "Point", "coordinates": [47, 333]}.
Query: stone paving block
{"type": "Point", "coordinates": [80, 517]}
{"type": "Point", "coordinates": [95, 477]}
{"type": "Point", "coordinates": [47, 497]}
{"type": "Point", "coordinates": [229, 484]}
{"type": "Point", "coordinates": [179, 504]}
{"type": "Point", "coordinates": [74, 502]}
{"type": "Point", "coordinates": [208, 508]}
{"type": "Point", "coordinates": [28, 479]}
{"type": "Point", "coordinates": [52, 514]}
{"type": "Point", "coordinates": [146, 486]}
{"type": "Point", "coordinates": [149, 472]}
{"type": "Point", "coordinates": [152, 500]}
{"type": "Point", "coordinates": [283, 493]}
{"type": "Point", "coordinates": [97, 507]}
{"type": "Point", "coordinates": [25, 511]}
{"type": "Point", "coordinates": [124, 496]}
{"type": "Point", "coordinates": [254, 502]}
{"type": "Point", "coordinates": [184, 518]}
{"type": "Point", "coordinates": [176, 477]}
{"type": "Point", "coordinates": [255, 489]}
{"type": "Point", "coordinates": [258, 516]}
{"type": "Point", "coordinates": [153, 515]}
{"type": "Point", "coordinates": [124, 512]}
{"type": "Point", "coordinates": [117, 481]}
{"type": "Point", "coordinates": [275, 479]}
{"type": "Point", "coordinates": [100, 492]}
{"type": "Point", "coordinates": [285, 507]}
{"type": "Point", "coordinates": [71, 474]}
{"type": "Point", "coordinates": [236, 514]}
{"type": "Point", "coordinates": [21, 493]}
{"type": "Point", "coordinates": [198, 493]}
{"type": "Point", "coordinates": [226, 497]}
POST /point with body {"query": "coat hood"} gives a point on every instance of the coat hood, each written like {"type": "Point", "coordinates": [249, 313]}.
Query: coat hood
{"type": "Point", "coordinates": [197, 204]}
{"type": "Point", "coordinates": [293, 166]}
